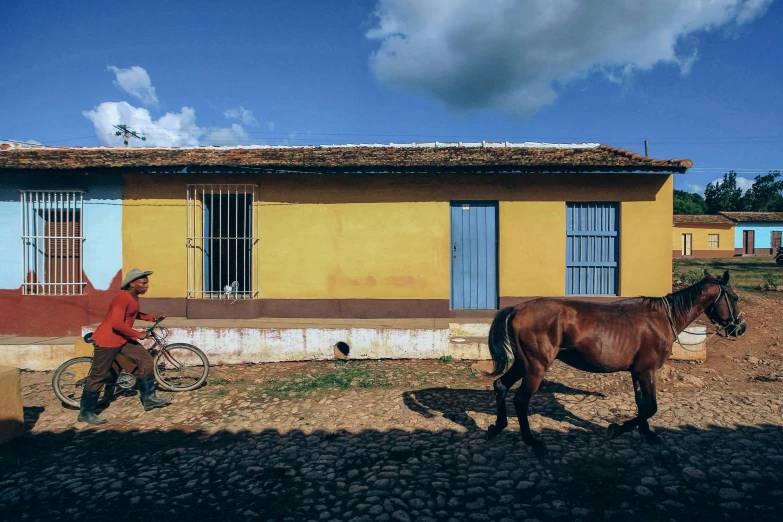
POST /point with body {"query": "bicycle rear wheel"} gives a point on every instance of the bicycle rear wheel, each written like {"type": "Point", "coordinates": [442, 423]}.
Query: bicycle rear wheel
{"type": "Point", "coordinates": [69, 379]}
{"type": "Point", "coordinates": [181, 367]}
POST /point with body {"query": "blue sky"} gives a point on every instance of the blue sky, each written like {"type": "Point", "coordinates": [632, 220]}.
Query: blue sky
{"type": "Point", "coordinates": [699, 80]}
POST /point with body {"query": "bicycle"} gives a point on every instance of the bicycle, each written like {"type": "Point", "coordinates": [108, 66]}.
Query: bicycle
{"type": "Point", "coordinates": [178, 367]}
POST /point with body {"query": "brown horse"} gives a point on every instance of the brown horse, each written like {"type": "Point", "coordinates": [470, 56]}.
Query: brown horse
{"type": "Point", "coordinates": [633, 334]}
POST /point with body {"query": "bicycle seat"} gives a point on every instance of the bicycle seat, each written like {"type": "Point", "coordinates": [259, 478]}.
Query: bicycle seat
{"type": "Point", "coordinates": [88, 337]}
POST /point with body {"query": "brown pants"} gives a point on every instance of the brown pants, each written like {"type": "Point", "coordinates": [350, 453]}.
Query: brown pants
{"type": "Point", "coordinates": [103, 358]}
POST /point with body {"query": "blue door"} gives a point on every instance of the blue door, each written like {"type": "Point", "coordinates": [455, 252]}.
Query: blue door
{"type": "Point", "coordinates": [474, 282]}
{"type": "Point", "coordinates": [591, 248]}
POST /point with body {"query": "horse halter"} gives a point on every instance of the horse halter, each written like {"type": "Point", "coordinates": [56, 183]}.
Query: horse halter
{"type": "Point", "coordinates": [735, 323]}
{"type": "Point", "coordinates": [729, 331]}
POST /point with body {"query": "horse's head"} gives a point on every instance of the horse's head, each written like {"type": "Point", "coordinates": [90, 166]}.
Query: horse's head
{"type": "Point", "coordinates": [724, 309]}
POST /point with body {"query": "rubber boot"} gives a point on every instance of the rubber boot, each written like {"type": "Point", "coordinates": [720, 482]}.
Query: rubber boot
{"type": "Point", "coordinates": [147, 394]}
{"type": "Point", "coordinates": [87, 409]}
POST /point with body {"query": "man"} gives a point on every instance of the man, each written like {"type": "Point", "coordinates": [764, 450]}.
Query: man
{"type": "Point", "coordinates": [116, 335]}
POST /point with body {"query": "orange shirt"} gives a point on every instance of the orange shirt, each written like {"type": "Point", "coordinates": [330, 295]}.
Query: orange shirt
{"type": "Point", "coordinates": [117, 328]}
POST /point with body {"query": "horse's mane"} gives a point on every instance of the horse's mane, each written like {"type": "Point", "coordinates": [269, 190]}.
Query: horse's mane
{"type": "Point", "coordinates": [680, 301]}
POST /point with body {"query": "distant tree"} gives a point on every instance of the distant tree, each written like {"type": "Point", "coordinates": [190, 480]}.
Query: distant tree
{"type": "Point", "coordinates": [765, 194]}
{"type": "Point", "coordinates": [724, 195]}
{"type": "Point", "coordinates": [689, 203]}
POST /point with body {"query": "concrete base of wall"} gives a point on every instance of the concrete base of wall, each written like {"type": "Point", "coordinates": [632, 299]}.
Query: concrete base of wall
{"type": "Point", "coordinates": [273, 340]}
{"type": "Point", "coordinates": [35, 353]}
{"type": "Point", "coordinates": [677, 254]}
{"type": "Point", "coordinates": [11, 412]}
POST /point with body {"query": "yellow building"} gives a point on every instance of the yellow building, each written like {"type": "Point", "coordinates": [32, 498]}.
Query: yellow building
{"type": "Point", "coordinates": [422, 230]}
{"type": "Point", "coordinates": [705, 235]}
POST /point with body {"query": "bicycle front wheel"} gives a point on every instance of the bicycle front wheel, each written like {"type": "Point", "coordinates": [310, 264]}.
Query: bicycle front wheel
{"type": "Point", "coordinates": [68, 380]}
{"type": "Point", "coordinates": [181, 367]}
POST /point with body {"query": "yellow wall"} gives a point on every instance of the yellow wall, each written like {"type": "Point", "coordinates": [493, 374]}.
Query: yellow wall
{"type": "Point", "coordinates": [361, 250]}
{"type": "Point", "coordinates": [699, 237]}
{"type": "Point", "coordinates": [154, 231]}
{"type": "Point", "coordinates": [645, 256]}
{"type": "Point", "coordinates": [388, 236]}
{"type": "Point", "coordinates": [532, 248]}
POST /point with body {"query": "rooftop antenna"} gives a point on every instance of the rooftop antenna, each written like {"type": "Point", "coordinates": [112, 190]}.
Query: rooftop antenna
{"type": "Point", "coordinates": [128, 133]}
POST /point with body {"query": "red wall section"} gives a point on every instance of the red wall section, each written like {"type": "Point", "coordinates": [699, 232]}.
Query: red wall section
{"type": "Point", "coordinates": [55, 316]}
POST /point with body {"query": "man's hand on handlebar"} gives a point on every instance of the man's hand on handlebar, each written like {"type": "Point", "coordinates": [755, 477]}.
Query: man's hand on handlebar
{"type": "Point", "coordinates": [144, 334]}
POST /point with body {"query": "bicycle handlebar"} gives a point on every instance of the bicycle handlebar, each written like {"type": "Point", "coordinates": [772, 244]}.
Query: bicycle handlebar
{"type": "Point", "coordinates": [156, 324]}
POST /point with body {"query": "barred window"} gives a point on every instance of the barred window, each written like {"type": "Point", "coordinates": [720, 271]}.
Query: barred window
{"type": "Point", "coordinates": [713, 240]}
{"type": "Point", "coordinates": [52, 242]}
{"type": "Point", "coordinates": [221, 242]}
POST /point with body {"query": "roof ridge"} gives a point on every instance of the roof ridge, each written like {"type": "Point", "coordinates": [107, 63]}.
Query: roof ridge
{"type": "Point", "coordinates": [484, 154]}
{"type": "Point", "coordinates": [415, 144]}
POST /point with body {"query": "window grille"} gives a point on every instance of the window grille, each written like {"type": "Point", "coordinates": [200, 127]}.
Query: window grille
{"type": "Point", "coordinates": [222, 243]}
{"type": "Point", "coordinates": [713, 240]}
{"type": "Point", "coordinates": [52, 242]}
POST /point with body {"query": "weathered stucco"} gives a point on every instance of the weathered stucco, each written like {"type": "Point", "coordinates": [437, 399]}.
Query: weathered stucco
{"type": "Point", "coordinates": [354, 236]}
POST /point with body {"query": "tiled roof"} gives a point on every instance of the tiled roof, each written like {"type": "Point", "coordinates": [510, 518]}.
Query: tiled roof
{"type": "Point", "coordinates": [744, 217]}
{"type": "Point", "coordinates": [493, 156]}
{"type": "Point", "coordinates": [701, 219]}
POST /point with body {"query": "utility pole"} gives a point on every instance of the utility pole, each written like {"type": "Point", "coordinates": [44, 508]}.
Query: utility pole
{"type": "Point", "coordinates": [646, 150]}
{"type": "Point", "coordinates": [128, 133]}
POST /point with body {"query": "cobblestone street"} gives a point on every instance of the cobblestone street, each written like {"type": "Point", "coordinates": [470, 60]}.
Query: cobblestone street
{"type": "Point", "coordinates": [403, 441]}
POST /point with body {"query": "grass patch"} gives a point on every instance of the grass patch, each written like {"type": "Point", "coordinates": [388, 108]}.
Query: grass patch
{"type": "Point", "coordinates": [341, 378]}
{"type": "Point", "coordinates": [770, 279]}
{"type": "Point", "coordinates": [445, 358]}
{"type": "Point", "coordinates": [471, 373]}
{"type": "Point", "coordinates": [219, 381]}
{"type": "Point", "coordinates": [747, 273]}
{"type": "Point", "coordinates": [222, 392]}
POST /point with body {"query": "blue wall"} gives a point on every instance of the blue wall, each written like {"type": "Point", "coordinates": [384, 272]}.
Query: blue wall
{"type": "Point", "coordinates": [762, 233]}
{"type": "Point", "coordinates": [101, 222]}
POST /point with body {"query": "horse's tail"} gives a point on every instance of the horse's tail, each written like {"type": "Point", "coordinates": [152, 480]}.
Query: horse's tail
{"type": "Point", "coordinates": [501, 341]}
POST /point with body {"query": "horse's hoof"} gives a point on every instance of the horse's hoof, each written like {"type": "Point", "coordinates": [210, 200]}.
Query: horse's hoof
{"type": "Point", "coordinates": [651, 437]}
{"type": "Point", "coordinates": [613, 431]}
{"type": "Point", "coordinates": [493, 431]}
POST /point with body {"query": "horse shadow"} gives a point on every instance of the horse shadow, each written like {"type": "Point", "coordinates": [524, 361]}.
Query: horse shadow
{"type": "Point", "coordinates": [454, 404]}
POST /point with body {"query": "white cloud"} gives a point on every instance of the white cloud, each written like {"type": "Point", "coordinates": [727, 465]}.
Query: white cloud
{"type": "Point", "coordinates": [170, 130]}
{"type": "Point", "coordinates": [241, 114]}
{"type": "Point", "coordinates": [695, 188]}
{"type": "Point", "coordinates": [136, 82]}
{"type": "Point", "coordinates": [511, 55]}
{"type": "Point", "coordinates": [742, 183]}
{"type": "Point", "coordinates": [21, 142]}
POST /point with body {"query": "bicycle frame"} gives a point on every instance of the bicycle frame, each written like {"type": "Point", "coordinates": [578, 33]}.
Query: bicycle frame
{"type": "Point", "coordinates": [158, 344]}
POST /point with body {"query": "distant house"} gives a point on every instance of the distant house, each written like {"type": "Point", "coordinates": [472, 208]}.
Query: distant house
{"type": "Point", "coordinates": [706, 235]}
{"type": "Point", "coordinates": [756, 233]}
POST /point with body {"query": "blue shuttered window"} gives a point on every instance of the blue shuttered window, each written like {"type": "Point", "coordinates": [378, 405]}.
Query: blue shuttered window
{"type": "Point", "coordinates": [592, 248]}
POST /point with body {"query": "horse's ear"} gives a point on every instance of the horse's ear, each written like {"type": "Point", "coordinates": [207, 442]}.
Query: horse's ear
{"type": "Point", "coordinates": [707, 274]}
{"type": "Point", "coordinates": [726, 277]}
